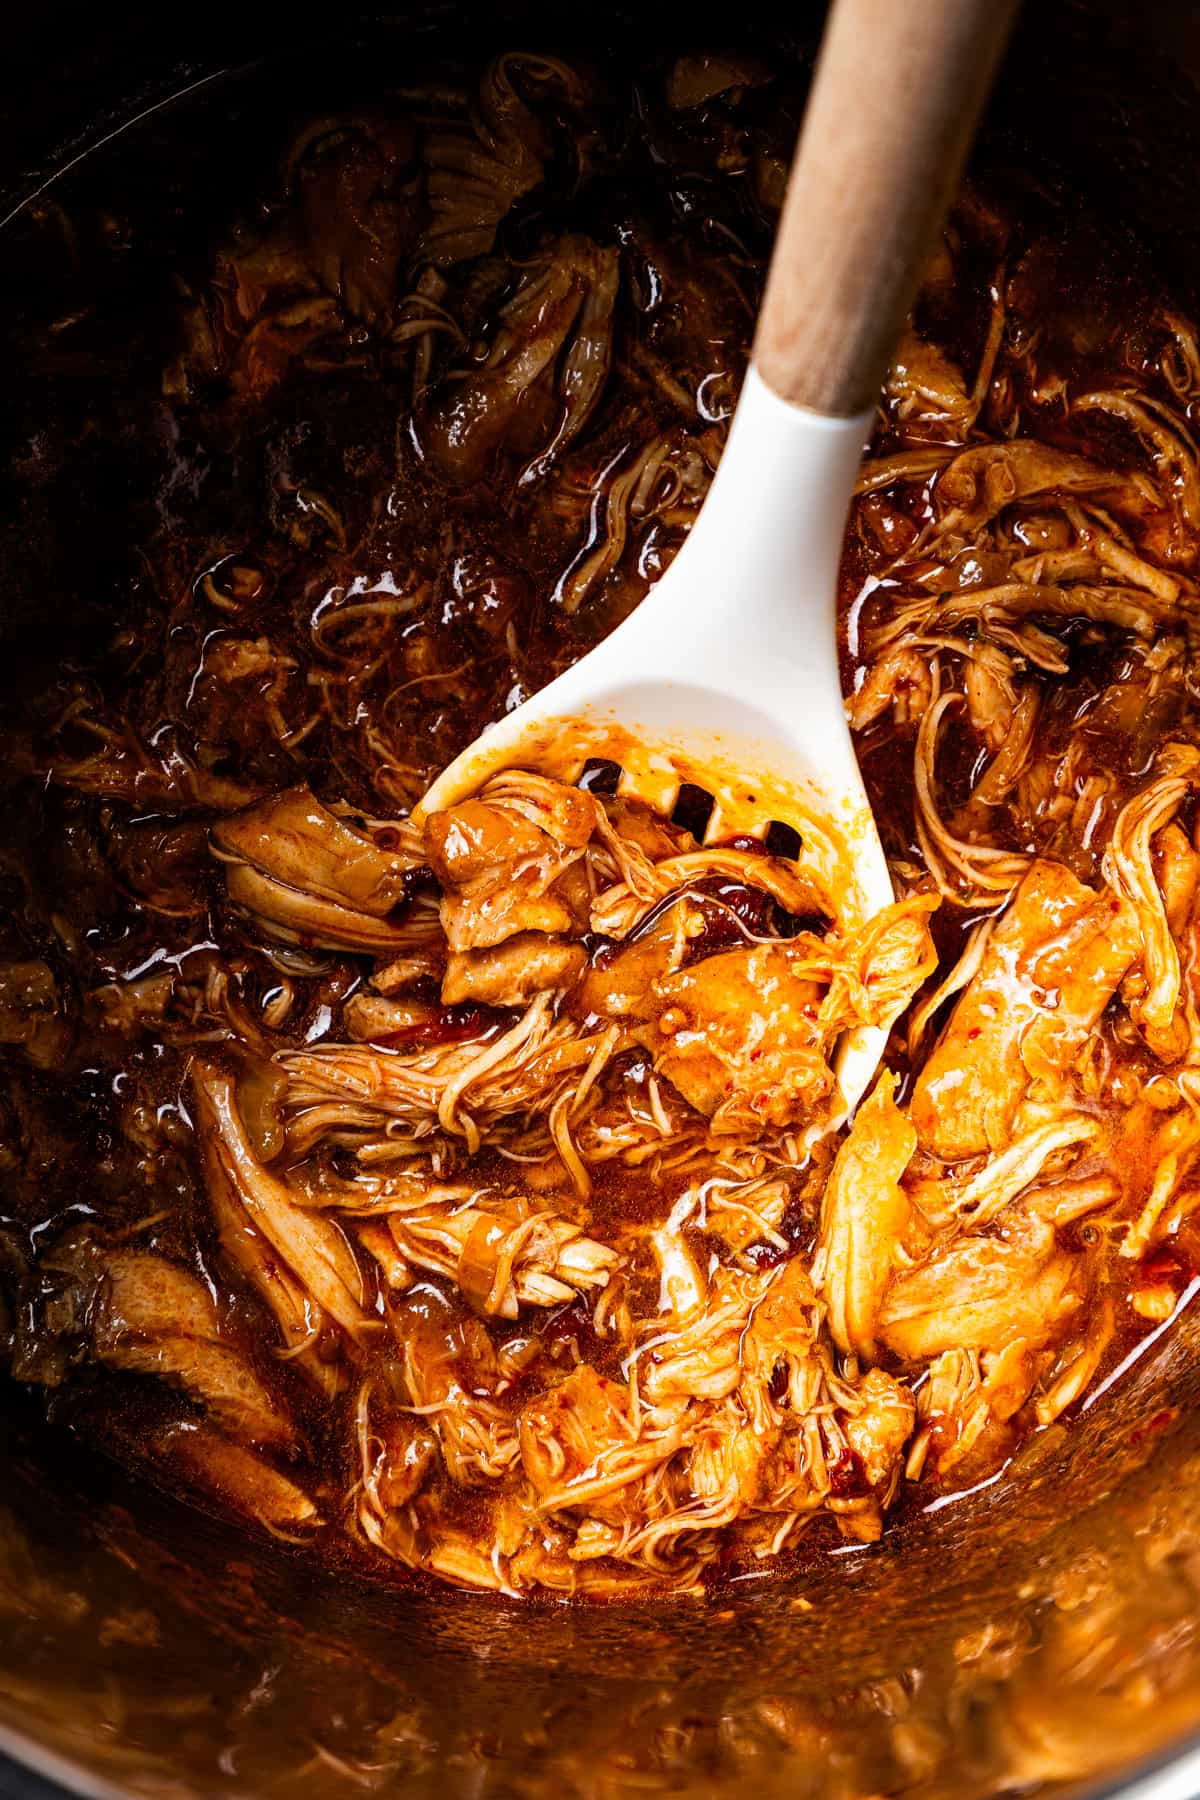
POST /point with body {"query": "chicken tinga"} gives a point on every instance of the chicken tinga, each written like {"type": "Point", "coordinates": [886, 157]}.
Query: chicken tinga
{"type": "Point", "coordinates": [446, 1195]}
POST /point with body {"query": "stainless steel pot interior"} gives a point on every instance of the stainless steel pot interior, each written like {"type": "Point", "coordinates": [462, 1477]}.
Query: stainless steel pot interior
{"type": "Point", "coordinates": [1044, 1630]}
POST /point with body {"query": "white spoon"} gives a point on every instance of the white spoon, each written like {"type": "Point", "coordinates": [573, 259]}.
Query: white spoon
{"type": "Point", "coordinates": [726, 676]}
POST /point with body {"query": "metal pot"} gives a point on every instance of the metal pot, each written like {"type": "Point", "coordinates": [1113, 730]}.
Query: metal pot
{"type": "Point", "coordinates": [1043, 1630]}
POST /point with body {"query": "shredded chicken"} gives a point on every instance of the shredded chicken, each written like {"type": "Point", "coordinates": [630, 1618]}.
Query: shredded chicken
{"type": "Point", "coordinates": [544, 373]}
{"type": "Point", "coordinates": [864, 1211]}
{"type": "Point", "coordinates": [501, 1251]}
{"type": "Point", "coordinates": [1057, 936]}
{"type": "Point", "coordinates": [308, 877]}
{"type": "Point", "coordinates": [983, 1293]}
{"type": "Point", "coordinates": [476, 1189]}
{"type": "Point", "coordinates": [299, 1262]}
{"type": "Point", "coordinates": [147, 1316]}
{"type": "Point", "coordinates": [480, 164]}
{"type": "Point", "coordinates": [734, 1005]}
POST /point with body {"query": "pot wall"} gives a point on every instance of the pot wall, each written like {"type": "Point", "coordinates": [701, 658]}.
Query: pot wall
{"type": "Point", "coordinates": [1043, 1630]}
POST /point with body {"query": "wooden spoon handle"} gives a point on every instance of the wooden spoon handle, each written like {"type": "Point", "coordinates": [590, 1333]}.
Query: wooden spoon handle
{"type": "Point", "coordinates": [898, 88]}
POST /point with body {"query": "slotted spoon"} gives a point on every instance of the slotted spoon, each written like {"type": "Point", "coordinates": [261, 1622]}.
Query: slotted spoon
{"type": "Point", "coordinates": [726, 676]}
